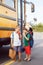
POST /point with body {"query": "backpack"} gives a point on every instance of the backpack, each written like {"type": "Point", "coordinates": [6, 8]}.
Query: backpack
{"type": "Point", "coordinates": [31, 41]}
{"type": "Point", "coordinates": [13, 35]}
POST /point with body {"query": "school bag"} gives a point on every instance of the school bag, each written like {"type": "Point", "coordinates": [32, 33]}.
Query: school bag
{"type": "Point", "coordinates": [31, 40]}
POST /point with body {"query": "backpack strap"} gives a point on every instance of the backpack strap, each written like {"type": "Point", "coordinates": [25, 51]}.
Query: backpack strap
{"type": "Point", "coordinates": [12, 39]}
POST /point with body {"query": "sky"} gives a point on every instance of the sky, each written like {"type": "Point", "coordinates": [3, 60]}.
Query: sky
{"type": "Point", "coordinates": [38, 14]}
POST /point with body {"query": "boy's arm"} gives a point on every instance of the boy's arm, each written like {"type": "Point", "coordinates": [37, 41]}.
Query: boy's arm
{"type": "Point", "coordinates": [27, 37]}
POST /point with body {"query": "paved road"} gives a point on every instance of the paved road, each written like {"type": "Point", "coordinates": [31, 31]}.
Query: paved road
{"type": "Point", "coordinates": [37, 53]}
{"type": "Point", "coordinates": [4, 54]}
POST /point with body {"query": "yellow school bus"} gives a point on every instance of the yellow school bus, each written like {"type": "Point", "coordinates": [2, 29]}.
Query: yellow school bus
{"type": "Point", "coordinates": [8, 20]}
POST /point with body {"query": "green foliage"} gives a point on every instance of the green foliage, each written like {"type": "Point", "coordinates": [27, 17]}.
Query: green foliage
{"type": "Point", "coordinates": [40, 25]}
{"type": "Point", "coordinates": [38, 28]}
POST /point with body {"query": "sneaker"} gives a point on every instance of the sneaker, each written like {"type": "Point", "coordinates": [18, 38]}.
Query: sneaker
{"type": "Point", "coordinates": [25, 59]}
{"type": "Point", "coordinates": [29, 59]}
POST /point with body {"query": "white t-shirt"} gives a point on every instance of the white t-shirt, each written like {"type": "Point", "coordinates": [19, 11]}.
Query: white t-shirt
{"type": "Point", "coordinates": [16, 40]}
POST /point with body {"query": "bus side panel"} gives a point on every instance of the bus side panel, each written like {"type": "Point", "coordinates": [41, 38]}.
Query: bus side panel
{"type": "Point", "coordinates": [7, 12]}
{"type": "Point", "coordinates": [8, 19]}
{"type": "Point", "coordinates": [6, 23]}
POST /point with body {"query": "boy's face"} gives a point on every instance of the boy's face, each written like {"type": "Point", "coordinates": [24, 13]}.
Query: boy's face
{"type": "Point", "coordinates": [25, 31]}
{"type": "Point", "coordinates": [17, 28]}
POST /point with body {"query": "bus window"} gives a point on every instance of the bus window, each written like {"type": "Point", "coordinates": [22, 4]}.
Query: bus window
{"type": "Point", "coordinates": [10, 3]}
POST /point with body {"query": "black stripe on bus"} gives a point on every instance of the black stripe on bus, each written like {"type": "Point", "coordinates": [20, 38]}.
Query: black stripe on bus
{"type": "Point", "coordinates": [7, 17]}
{"type": "Point", "coordinates": [7, 29]}
{"type": "Point", "coordinates": [13, 9]}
